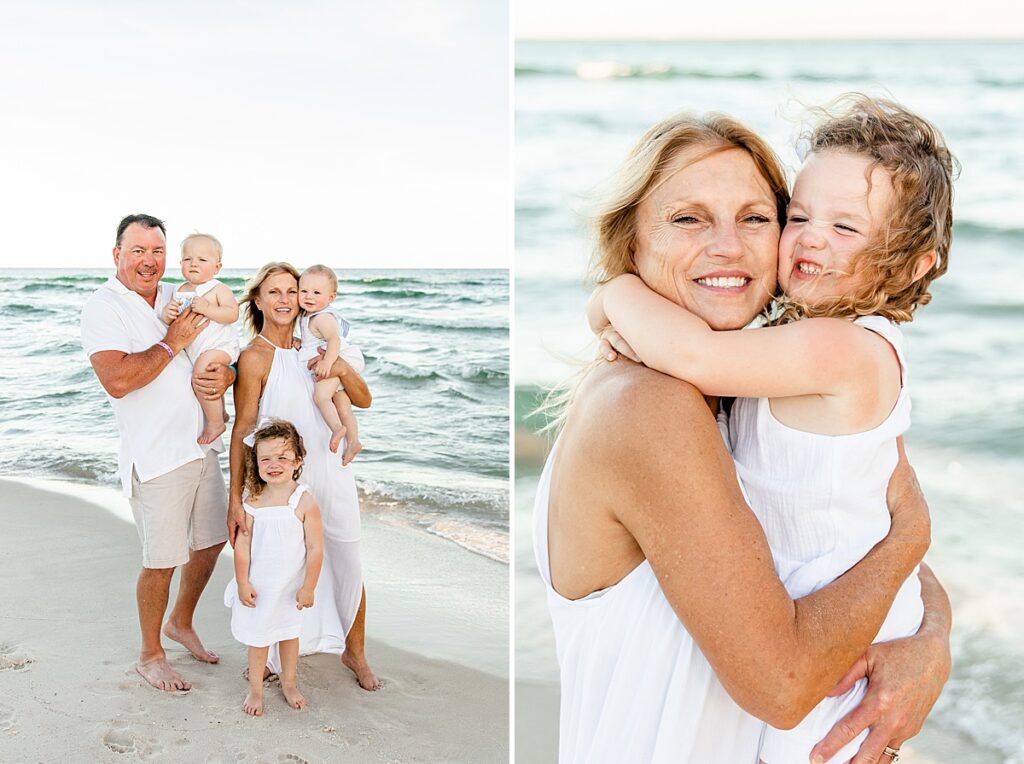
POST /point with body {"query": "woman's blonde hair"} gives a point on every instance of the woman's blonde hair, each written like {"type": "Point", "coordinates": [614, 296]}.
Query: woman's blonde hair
{"type": "Point", "coordinates": [615, 225]}
{"type": "Point", "coordinates": [919, 220]}
{"type": "Point", "coordinates": [251, 315]}
{"type": "Point", "coordinates": [276, 428]}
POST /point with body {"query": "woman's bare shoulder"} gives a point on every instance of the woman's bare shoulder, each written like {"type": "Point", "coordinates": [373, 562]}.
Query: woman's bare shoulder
{"type": "Point", "coordinates": [256, 356]}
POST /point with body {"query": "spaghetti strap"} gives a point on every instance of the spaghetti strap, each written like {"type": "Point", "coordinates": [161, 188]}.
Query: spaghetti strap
{"type": "Point", "coordinates": [260, 336]}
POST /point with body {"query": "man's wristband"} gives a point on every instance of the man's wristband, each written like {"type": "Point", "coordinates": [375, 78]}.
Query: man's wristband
{"type": "Point", "coordinates": [166, 347]}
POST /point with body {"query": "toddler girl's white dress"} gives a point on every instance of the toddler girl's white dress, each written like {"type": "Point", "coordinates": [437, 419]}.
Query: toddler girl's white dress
{"type": "Point", "coordinates": [821, 502]}
{"type": "Point", "coordinates": [277, 569]}
{"type": "Point", "coordinates": [214, 336]}
{"type": "Point", "coordinates": [349, 353]}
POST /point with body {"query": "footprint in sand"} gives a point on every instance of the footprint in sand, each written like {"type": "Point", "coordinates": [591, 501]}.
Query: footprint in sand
{"type": "Point", "coordinates": [291, 758]}
{"type": "Point", "coordinates": [7, 720]}
{"type": "Point", "coordinates": [120, 738]}
{"type": "Point", "coordinates": [14, 657]}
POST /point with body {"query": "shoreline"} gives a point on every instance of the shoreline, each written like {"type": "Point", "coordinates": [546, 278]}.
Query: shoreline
{"type": "Point", "coordinates": [69, 641]}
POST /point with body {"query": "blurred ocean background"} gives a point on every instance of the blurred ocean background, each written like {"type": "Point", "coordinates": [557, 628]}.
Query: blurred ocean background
{"type": "Point", "coordinates": [435, 440]}
{"type": "Point", "coordinates": [579, 109]}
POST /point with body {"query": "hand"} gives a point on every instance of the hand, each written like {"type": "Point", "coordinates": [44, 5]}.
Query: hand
{"type": "Point", "coordinates": [246, 594]}
{"type": "Point", "coordinates": [200, 304]}
{"type": "Point", "coordinates": [185, 328]}
{"type": "Point", "coordinates": [910, 519]}
{"type": "Point", "coordinates": [304, 598]}
{"type": "Point", "coordinates": [171, 311]}
{"type": "Point", "coordinates": [322, 369]}
{"type": "Point", "coordinates": [212, 382]}
{"type": "Point", "coordinates": [610, 345]}
{"type": "Point", "coordinates": [314, 361]}
{"type": "Point", "coordinates": [236, 521]}
{"type": "Point", "coordinates": [905, 678]}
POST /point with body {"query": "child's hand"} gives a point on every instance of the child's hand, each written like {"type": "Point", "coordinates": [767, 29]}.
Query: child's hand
{"type": "Point", "coordinates": [171, 311]}
{"type": "Point", "coordinates": [322, 369]}
{"type": "Point", "coordinates": [200, 304]}
{"type": "Point", "coordinates": [304, 598]}
{"type": "Point", "coordinates": [247, 595]}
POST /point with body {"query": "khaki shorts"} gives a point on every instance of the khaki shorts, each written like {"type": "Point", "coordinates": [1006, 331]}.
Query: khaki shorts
{"type": "Point", "coordinates": [185, 509]}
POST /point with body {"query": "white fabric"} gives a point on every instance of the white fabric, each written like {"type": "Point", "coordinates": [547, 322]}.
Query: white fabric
{"type": "Point", "coordinates": [288, 395]}
{"type": "Point", "coordinates": [277, 568]}
{"type": "Point", "coordinates": [821, 502]}
{"type": "Point", "coordinates": [635, 687]}
{"type": "Point", "coordinates": [352, 355]}
{"type": "Point", "coordinates": [214, 336]}
{"type": "Point", "coordinates": [159, 423]}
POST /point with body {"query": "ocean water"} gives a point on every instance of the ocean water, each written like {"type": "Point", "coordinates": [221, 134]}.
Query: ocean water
{"type": "Point", "coordinates": [435, 440]}
{"type": "Point", "coordinates": [579, 109]}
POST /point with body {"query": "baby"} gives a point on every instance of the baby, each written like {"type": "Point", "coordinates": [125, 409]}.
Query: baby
{"type": "Point", "coordinates": [321, 327]}
{"type": "Point", "coordinates": [218, 342]}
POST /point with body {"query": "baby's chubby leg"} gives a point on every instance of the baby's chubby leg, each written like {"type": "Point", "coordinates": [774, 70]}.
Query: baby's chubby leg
{"type": "Point", "coordinates": [289, 664]}
{"type": "Point", "coordinates": [323, 392]}
{"type": "Point", "coordinates": [353, 446]}
{"type": "Point", "coordinates": [253, 704]}
{"type": "Point", "coordinates": [214, 411]}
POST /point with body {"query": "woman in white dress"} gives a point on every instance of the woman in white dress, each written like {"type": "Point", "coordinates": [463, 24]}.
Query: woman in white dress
{"type": "Point", "coordinates": [273, 382]}
{"type": "Point", "coordinates": [675, 636]}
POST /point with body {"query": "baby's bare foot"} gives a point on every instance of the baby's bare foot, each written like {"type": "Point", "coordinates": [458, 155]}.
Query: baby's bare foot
{"type": "Point", "coordinates": [352, 448]}
{"type": "Point", "coordinates": [336, 436]}
{"type": "Point", "coordinates": [160, 674]}
{"type": "Point", "coordinates": [190, 640]}
{"type": "Point", "coordinates": [210, 433]}
{"type": "Point", "coordinates": [364, 674]}
{"type": "Point", "coordinates": [253, 703]}
{"type": "Point", "coordinates": [291, 694]}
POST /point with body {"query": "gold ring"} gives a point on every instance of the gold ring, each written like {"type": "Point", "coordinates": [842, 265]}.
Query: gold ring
{"type": "Point", "coordinates": [892, 753]}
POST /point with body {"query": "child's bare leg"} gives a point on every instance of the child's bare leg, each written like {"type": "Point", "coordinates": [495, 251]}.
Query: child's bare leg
{"type": "Point", "coordinates": [214, 411]}
{"type": "Point", "coordinates": [289, 662]}
{"type": "Point", "coordinates": [348, 418]}
{"type": "Point", "coordinates": [323, 391]}
{"type": "Point", "coordinates": [253, 704]}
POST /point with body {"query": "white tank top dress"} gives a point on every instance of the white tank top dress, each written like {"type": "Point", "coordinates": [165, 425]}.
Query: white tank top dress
{"type": "Point", "coordinates": [821, 502]}
{"type": "Point", "coordinates": [277, 569]}
{"type": "Point", "coordinates": [311, 343]}
{"type": "Point", "coordinates": [288, 395]}
{"type": "Point", "coordinates": [214, 336]}
{"type": "Point", "coordinates": [634, 685]}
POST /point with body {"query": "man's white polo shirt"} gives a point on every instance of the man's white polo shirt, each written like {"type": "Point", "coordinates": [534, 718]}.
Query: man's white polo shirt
{"type": "Point", "coordinates": [158, 423]}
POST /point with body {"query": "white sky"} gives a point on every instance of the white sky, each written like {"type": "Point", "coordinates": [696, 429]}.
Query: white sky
{"type": "Point", "coordinates": [358, 134]}
{"type": "Point", "coordinates": [764, 19]}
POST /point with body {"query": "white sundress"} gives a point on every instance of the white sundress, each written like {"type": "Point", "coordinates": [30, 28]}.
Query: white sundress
{"type": "Point", "coordinates": [288, 395]}
{"type": "Point", "coordinates": [277, 569]}
{"type": "Point", "coordinates": [214, 336]}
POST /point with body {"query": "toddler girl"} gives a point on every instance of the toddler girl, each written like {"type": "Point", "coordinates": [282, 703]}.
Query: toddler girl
{"type": "Point", "coordinates": [823, 399]}
{"type": "Point", "coordinates": [322, 327]}
{"type": "Point", "coordinates": [218, 341]}
{"type": "Point", "coordinates": [278, 563]}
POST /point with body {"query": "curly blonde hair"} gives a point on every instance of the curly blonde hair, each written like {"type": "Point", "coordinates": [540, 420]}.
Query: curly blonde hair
{"type": "Point", "coordinates": [276, 428]}
{"type": "Point", "coordinates": [251, 315]}
{"type": "Point", "coordinates": [914, 155]}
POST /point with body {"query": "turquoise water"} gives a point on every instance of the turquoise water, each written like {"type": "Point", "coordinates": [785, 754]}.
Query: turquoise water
{"type": "Point", "coordinates": [580, 107]}
{"type": "Point", "coordinates": [436, 437]}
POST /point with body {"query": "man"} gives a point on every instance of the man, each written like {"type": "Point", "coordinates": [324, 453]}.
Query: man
{"type": "Point", "coordinates": [174, 485]}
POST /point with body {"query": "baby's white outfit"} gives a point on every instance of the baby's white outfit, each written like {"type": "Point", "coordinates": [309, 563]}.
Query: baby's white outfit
{"type": "Point", "coordinates": [277, 569]}
{"type": "Point", "coordinates": [214, 336]}
{"type": "Point", "coordinates": [821, 502]}
{"type": "Point", "coordinates": [310, 342]}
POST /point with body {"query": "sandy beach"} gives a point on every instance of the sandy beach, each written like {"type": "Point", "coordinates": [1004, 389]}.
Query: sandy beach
{"type": "Point", "coordinates": [69, 640]}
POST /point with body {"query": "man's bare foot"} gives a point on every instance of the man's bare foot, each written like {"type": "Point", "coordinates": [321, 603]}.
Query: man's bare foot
{"type": "Point", "coordinates": [364, 674]}
{"type": "Point", "coordinates": [253, 703]}
{"type": "Point", "coordinates": [291, 694]}
{"type": "Point", "coordinates": [190, 640]}
{"type": "Point", "coordinates": [210, 433]}
{"type": "Point", "coordinates": [160, 674]}
{"type": "Point", "coordinates": [336, 436]}
{"type": "Point", "coordinates": [351, 449]}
